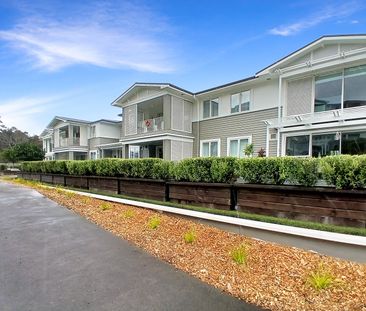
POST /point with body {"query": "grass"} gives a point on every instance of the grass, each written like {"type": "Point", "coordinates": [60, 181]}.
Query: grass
{"type": "Point", "coordinates": [243, 215]}
{"type": "Point", "coordinates": [128, 213]}
{"type": "Point", "coordinates": [190, 236]}
{"type": "Point", "coordinates": [105, 206]}
{"type": "Point", "coordinates": [154, 222]}
{"type": "Point", "coordinates": [320, 279]}
{"type": "Point", "coordinates": [240, 254]}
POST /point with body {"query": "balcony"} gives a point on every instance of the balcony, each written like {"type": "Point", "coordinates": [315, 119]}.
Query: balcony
{"type": "Point", "coordinates": [150, 125]}
{"type": "Point", "coordinates": [69, 141]}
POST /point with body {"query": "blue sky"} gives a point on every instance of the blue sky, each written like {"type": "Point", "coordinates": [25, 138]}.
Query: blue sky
{"type": "Point", "coordinates": [72, 58]}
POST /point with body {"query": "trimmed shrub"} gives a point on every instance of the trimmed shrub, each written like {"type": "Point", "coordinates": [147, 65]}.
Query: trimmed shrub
{"type": "Point", "coordinates": [261, 170]}
{"type": "Point", "coordinates": [80, 167]}
{"type": "Point", "coordinates": [221, 170]}
{"type": "Point", "coordinates": [300, 171]}
{"type": "Point", "coordinates": [344, 171]}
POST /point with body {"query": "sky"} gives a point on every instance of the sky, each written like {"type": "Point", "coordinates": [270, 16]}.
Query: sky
{"type": "Point", "coordinates": [73, 58]}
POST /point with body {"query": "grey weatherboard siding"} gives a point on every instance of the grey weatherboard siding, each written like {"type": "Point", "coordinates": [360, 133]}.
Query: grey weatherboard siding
{"type": "Point", "coordinates": [243, 124]}
{"type": "Point", "coordinates": [93, 142]}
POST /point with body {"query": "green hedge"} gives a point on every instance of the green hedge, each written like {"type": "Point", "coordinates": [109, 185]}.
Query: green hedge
{"type": "Point", "coordinates": [343, 172]}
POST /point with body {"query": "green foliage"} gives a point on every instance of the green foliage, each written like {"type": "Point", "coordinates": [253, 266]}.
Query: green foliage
{"type": "Point", "coordinates": [206, 170]}
{"type": "Point", "coordinates": [240, 254]}
{"type": "Point", "coordinates": [27, 151]}
{"type": "Point", "coordinates": [344, 171]}
{"type": "Point", "coordinates": [105, 206]}
{"type": "Point", "coordinates": [154, 222]}
{"type": "Point", "coordinates": [300, 171]}
{"type": "Point", "coordinates": [321, 278]}
{"type": "Point", "coordinates": [261, 170]}
{"type": "Point", "coordinates": [190, 236]}
{"type": "Point", "coordinates": [128, 213]}
{"type": "Point", "coordinates": [249, 150]}
{"type": "Point", "coordinates": [81, 167]}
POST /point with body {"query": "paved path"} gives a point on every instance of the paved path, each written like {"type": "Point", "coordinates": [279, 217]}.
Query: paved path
{"type": "Point", "coordinates": [52, 259]}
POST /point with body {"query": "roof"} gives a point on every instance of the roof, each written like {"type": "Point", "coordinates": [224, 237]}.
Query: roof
{"type": "Point", "coordinates": [141, 84]}
{"type": "Point", "coordinates": [226, 85]}
{"type": "Point", "coordinates": [308, 46]}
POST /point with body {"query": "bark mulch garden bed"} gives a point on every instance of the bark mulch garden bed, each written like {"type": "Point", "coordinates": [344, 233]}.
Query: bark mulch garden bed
{"type": "Point", "coordinates": [272, 276]}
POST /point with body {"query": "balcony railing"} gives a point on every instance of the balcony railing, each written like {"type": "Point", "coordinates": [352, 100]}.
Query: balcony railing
{"type": "Point", "coordinates": [150, 125]}
{"type": "Point", "coordinates": [319, 117]}
{"type": "Point", "coordinates": [71, 141]}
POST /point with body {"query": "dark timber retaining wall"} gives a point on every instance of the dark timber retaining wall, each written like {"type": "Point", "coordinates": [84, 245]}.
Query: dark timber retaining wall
{"type": "Point", "coordinates": [320, 204]}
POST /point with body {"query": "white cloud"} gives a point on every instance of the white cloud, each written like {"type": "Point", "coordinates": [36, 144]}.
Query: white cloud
{"type": "Point", "coordinates": [119, 37]}
{"type": "Point", "coordinates": [326, 14]}
{"type": "Point", "coordinates": [24, 112]}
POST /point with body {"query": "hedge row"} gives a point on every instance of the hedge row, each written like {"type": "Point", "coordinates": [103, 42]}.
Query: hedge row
{"type": "Point", "coordinates": [343, 172]}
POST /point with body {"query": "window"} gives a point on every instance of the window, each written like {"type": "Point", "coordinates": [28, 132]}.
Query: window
{"type": "Point", "coordinates": [236, 146]}
{"type": "Point", "coordinates": [354, 143]}
{"type": "Point", "coordinates": [354, 87]}
{"type": "Point", "coordinates": [92, 131]}
{"type": "Point", "coordinates": [328, 92]}
{"type": "Point", "coordinates": [134, 152]}
{"type": "Point", "coordinates": [210, 148]}
{"type": "Point", "coordinates": [240, 102]}
{"type": "Point", "coordinates": [297, 145]}
{"type": "Point", "coordinates": [325, 144]}
{"type": "Point", "coordinates": [210, 108]}
{"type": "Point", "coordinates": [93, 155]}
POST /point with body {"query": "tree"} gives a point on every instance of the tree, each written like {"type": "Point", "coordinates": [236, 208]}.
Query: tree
{"type": "Point", "coordinates": [23, 152]}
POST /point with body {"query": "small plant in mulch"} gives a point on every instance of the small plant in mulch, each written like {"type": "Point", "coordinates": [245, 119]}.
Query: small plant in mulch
{"type": "Point", "coordinates": [154, 222]}
{"type": "Point", "coordinates": [190, 236]}
{"type": "Point", "coordinates": [321, 278]}
{"type": "Point", "coordinates": [105, 206]}
{"type": "Point", "coordinates": [86, 200]}
{"type": "Point", "coordinates": [240, 254]}
{"type": "Point", "coordinates": [69, 195]}
{"type": "Point", "coordinates": [128, 214]}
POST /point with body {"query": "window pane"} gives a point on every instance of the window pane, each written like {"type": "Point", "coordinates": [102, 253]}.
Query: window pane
{"type": "Point", "coordinates": [245, 101]}
{"type": "Point", "coordinates": [235, 100]}
{"type": "Point", "coordinates": [323, 145]}
{"type": "Point", "coordinates": [206, 149]}
{"type": "Point", "coordinates": [328, 92]}
{"type": "Point", "coordinates": [355, 87]}
{"type": "Point", "coordinates": [354, 143]}
{"type": "Point", "coordinates": [206, 108]}
{"type": "Point", "coordinates": [297, 145]}
{"type": "Point", "coordinates": [243, 144]}
{"type": "Point", "coordinates": [214, 151]}
{"type": "Point", "coordinates": [214, 107]}
{"type": "Point", "coordinates": [233, 151]}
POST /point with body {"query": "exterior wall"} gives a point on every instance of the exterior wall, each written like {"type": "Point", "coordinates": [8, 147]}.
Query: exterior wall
{"type": "Point", "coordinates": [62, 156]}
{"type": "Point", "coordinates": [107, 130]}
{"type": "Point", "coordinates": [167, 150]}
{"type": "Point", "coordinates": [196, 141]}
{"type": "Point", "coordinates": [299, 96]}
{"type": "Point", "coordinates": [245, 124]}
{"type": "Point", "coordinates": [94, 142]}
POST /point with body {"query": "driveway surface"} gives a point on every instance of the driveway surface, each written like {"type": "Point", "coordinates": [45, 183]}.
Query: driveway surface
{"type": "Point", "coordinates": [53, 259]}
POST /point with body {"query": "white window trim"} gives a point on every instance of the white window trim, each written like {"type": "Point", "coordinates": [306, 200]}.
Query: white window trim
{"type": "Point", "coordinates": [284, 139]}
{"type": "Point", "coordinates": [229, 139]}
{"type": "Point", "coordinates": [250, 102]}
{"type": "Point", "coordinates": [218, 108]}
{"type": "Point", "coordinates": [218, 140]}
{"type": "Point", "coordinates": [129, 151]}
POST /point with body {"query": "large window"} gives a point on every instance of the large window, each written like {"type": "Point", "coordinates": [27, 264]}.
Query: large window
{"type": "Point", "coordinates": [134, 152]}
{"type": "Point", "coordinates": [210, 148]}
{"type": "Point", "coordinates": [329, 91]}
{"type": "Point", "coordinates": [354, 143]}
{"type": "Point", "coordinates": [240, 102]}
{"type": "Point", "coordinates": [210, 108]}
{"type": "Point", "coordinates": [355, 87]}
{"type": "Point", "coordinates": [325, 144]}
{"type": "Point", "coordinates": [236, 146]}
{"type": "Point", "coordinates": [297, 145]}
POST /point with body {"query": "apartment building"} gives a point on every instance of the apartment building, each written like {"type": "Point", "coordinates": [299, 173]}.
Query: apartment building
{"type": "Point", "coordinates": [310, 103]}
{"type": "Point", "coordinates": [74, 139]}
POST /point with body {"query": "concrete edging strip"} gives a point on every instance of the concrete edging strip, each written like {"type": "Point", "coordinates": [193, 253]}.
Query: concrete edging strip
{"type": "Point", "coordinates": [308, 233]}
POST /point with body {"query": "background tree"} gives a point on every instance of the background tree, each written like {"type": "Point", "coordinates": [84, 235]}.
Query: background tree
{"type": "Point", "coordinates": [23, 152]}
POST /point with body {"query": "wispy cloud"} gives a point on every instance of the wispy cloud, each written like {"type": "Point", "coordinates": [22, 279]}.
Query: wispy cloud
{"type": "Point", "coordinates": [23, 112]}
{"type": "Point", "coordinates": [326, 14]}
{"type": "Point", "coordinates": [99, 34]}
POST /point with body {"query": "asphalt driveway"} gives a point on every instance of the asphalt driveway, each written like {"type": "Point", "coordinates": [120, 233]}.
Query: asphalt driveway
{"type": "Point", "coordinates": [52, 259]}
